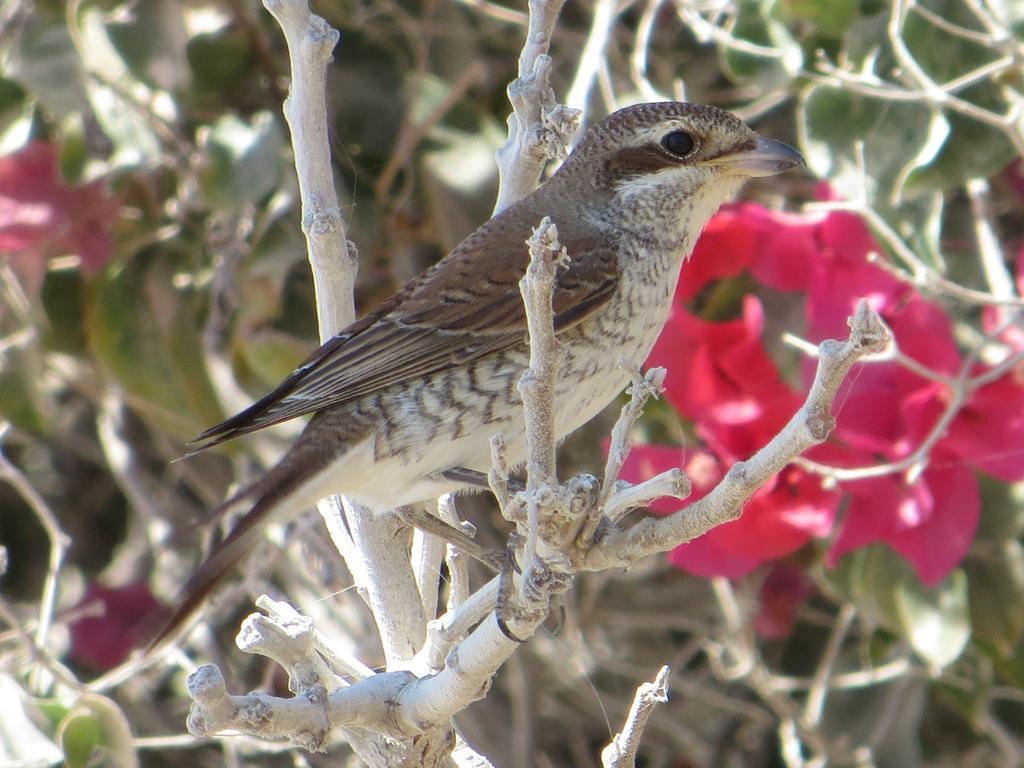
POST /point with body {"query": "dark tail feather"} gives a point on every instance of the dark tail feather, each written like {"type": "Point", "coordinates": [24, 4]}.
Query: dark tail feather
{"type": "Point", "coordinates": [269, 492]}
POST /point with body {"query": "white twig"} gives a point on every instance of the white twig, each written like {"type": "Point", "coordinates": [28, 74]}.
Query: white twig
{"type": "Point", "coordinates": [809, 426]}
{"type": "Point", "coordinates": [638, 58]}
{"type": "Point", "coordinates": [289, 639]}
{"type": "Point", "coordinates": [537, 384]}
{"type": "Point", "coordinates": [593, 56]}
{"type": "Point", "coordinates": [672, 483]}
{"type": "Point", "coordinates": [384, 575]}
{"type": "Point", "coordinates": [390, 586]}
{"type": "Point", "coordinates": [621, 752]}
{"type": "Point", "coordinates": [960, 389]}
{"type": "Point", "coordinates": [59, 543]}
{"type": "Point", "coordinates": [814, 707]}
{"type": "Point", "coordinates": [325, 646]}
{"type": "Point", "coordinates": [458, 573]}
{"type": "Point", "coordinates": [455, 624]}
{"type": "Point", "coordinates": [990, 252]}
{"type": "Point", "coordinates": [304, 721]}
{"type": "Point", "coordinates": [641, 390]}
{"type": "Point", "coordinates": [427, 553]}
{"type": "Point", "coordinates": [538, 128]}
{"type": "Point", "coordinates": [310, 43]}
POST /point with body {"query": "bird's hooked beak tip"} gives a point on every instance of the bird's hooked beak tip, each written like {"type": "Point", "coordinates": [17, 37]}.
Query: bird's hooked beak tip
{"type": "Point", "coordinates": [768, 157]}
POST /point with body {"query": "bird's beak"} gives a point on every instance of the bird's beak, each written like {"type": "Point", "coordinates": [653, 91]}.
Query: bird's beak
{"type": "Point", "coordinates": [767, 158]}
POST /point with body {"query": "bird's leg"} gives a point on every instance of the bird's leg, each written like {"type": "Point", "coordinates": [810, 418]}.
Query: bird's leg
{"type": "Point", "coordinates": [503, 603]}
{"type": "Point", "coordinates": [478, 479]}
{"type": "Point", "coordinates": [419, 518]}
{"type": "Point", "coordinates": [466, 476]}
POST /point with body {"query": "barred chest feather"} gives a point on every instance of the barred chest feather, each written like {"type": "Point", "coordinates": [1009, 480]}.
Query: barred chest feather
{"type": "Point", "coordinates": [624, 331]}
{"type": "Point", "coordinates": [447, 420]}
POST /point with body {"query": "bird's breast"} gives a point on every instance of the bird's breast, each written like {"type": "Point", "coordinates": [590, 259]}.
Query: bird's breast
{"type": "Point", "coordinates": [603, 350]}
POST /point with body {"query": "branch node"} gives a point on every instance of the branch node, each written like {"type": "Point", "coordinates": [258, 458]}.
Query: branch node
{"type": "Point", "coordinates": [820, 424]}
{"type": "Point", "coordinates": [867, 331]}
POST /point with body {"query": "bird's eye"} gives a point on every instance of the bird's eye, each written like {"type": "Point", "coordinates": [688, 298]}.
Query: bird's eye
{"type": "Point", "coordinates": [679, 143]}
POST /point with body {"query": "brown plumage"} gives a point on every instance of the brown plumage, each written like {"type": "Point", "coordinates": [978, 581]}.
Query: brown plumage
{"type": "Point", "coordinates": [420, 385]}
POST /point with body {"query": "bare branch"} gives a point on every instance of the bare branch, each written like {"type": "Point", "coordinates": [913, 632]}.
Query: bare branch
{"type": "Point", "coordinates": [593, 57]}
{"type": "Point", "coordinates": [59, 543]}
{"type": "Point", "coordinates": [458, 574]}
{"type": "Point", "coordinates": [383, 577]}
{"type": "Point", "coordinates": [809, 426]}
{"type": "Point", "coordinates": [537, 385]}
{"type": "Point", "coordinates": [822, 682]}
{"type": "Point", "coordinates": [621, 752]}
{"type": "Point", "coordinates": [310, 43]}
{"type": "Point", "coordinates": [427, 552]}
{"type": "Point", "coordinates": [538, 128]}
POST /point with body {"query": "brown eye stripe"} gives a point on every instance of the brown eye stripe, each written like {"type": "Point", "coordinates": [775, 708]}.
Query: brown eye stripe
{"type": "Point", "coordinates": [629, 162]}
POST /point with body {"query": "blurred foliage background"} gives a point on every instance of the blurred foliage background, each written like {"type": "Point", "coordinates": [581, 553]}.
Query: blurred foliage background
{"type": "Point", "coordinates": [153, 280]}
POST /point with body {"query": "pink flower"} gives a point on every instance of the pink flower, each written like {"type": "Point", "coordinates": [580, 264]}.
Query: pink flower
{"type": "Point", "coordinates": [930, 522]}
{"type": "Point", "coordinates": [994, 319]}
{"type": "Point", "coordinates": [783, 591]}
{"type": "Point", "coordinates": [777, 247]}
{"type": "Point", "coordinates": [720, 375]}
{"type": "Point", "coordinates": [988, 432]}
{"type": "Point", "coordinates": [42, 216]}
{"type": "Point", "coordinates": [1015, 175]}
{"type": "Point", "coordinates": [722, 378]}
{"type": "Point", "coordinates": [126, 614]}
{"type": "Point", "coordinates": [779, 519]}
{"type": "Point", "coordinates": [723, 250]}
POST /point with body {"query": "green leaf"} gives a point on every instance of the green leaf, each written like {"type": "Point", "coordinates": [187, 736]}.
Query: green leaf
{"type": "Point", "coordinates": [16, 110]}
{"type": "Point", "coordinates": [96, 734]}
{"type": "Point", "coordinates": [21, 399]}
{"type": "Point", "coordinates": [125, 107]}
{"type": "Point", "coordinates": [918, 222]}
{"type": "Point", "coordinates": [135, 143]}
{"type": "Point", "coordinates": [145, 333]}
{"type": "Point", "coordinates": [153, 43]}
{"type": "Point", "coordinates": [871, 147]}
{"type": "Point", "coordinates": [1009, 669]}
{"type": "Point", "coordinates": [972, 150]}
{"type": "Point", "coordinates": [838, 127]}
{"type": "Point", "coordinates": [459, 173]}
{"type": "Point", "coordinates": [44, 61]}
{"type": "Point", "coordinates": [935, 620]}
{"type": "Point", "coordinates": [80, 736]}
{"type": "Point", "coordinates": [943, 55]}
{"type": "Point", "coordinates": [782, 59]}
{"type": "Point", "coordinates": [270, 356]}
{"type": "Point", "coordinates": [866, 578]}
{"type": "Point", "coordinates": [25, 728]}
{"type": "Point", "coordinates": [73, 149]}
{"type": "Point", "coordinates": [220, 61]}
{"type": "Point", "coordinates": [244, 159]}
{"type": "Point", "coordinates": [852, 716]}
{"type": "Point", "coordinates": [830, 17]}
{"type": "Point", "coordinates": [18, 126]}
{"type": "Point", "coordinates": [1002, 509]}
{"type": "Point", "coordinates": [944, 147]}
{"type": "Point", "coordinates": [996, 579]}
{"type": "Point", "coordinates": [61, 297]}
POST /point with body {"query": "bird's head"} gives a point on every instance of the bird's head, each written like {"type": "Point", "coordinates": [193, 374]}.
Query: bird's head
{"type": "Point", "coordinates": [664, 168]}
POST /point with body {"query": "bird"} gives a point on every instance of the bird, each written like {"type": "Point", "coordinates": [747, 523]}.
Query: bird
{"type": "Point", "coordinates": [407, 397]}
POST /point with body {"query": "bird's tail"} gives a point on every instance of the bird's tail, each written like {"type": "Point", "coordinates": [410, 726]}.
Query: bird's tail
{"type": "Point", "coordinates": [269, 494]}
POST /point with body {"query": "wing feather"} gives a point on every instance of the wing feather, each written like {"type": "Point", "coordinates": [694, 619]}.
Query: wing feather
{"type": "Point", "coordinates": [436, 321]}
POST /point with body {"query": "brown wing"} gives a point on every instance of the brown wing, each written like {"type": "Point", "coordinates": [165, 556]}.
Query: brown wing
{"type": "Point", "coordinates": [464, 308]}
